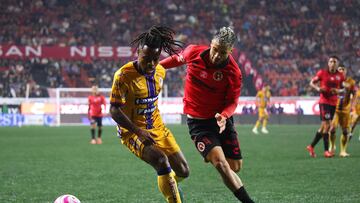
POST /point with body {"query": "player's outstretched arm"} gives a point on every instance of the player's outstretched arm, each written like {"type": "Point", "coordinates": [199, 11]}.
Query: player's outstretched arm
{"type": "Point", "coordinates": [121, 119]}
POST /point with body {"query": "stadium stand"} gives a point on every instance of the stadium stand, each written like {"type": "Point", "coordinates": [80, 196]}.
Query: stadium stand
{"type": "Point", "coordinates": [286, 42]}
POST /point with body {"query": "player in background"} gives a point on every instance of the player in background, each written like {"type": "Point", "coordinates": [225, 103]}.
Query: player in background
{"type": "Point", "coordinates": [134, 107]}
{"type": "Point", "coordinates": [356, 112]}
{"type": "Point", "coordinates": [262, 100]}
{"type": "Point", "coordinates": [328, 83]}
{"type": "Point", "coordinates": [96, 103]}
{"type": "Point", "coordinates": [212, 89]}
{"type": "Point", "coordinates": [342, 114]}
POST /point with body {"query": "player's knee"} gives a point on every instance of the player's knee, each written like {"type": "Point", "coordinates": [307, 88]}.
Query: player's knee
{"type": "Point", "coordinates": [220, 164]}
{"type": "Point", "coordinates": [236, 165]}
{"type": "Point", "coordinates": [184, 171]}
{"type": "Point", "coordinates": [161, 161]}
{"type": "Point", "coordinates": [155, 158]}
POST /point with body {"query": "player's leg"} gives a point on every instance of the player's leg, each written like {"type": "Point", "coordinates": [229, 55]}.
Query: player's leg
{"type": "Point", "coordinates": [92, 130]}
{"type": "Point", "coordinates": [318, 134]}
{"type": "Point", "coordinates": [354, 120]}
{"type": "Point", "coordinates": [205, 135]}
{"type": "Point", "coordinates": [180, 167]}
{"type": "Point", "coordinates": [159, 161]}
{"type": "Point", "coordinates": [169, 146]}
{"type": "Point", "coordinates": [345, 125]}
{"type": "Point", "coordinates": [325, 134]}
{"type": "Point", "coordinates": [316, 139]}
{"type": "Point", "coordinates": [332, 132]}
{"type": "Point", "coordinates": [230, 178]}
{"type": "Point", "coordinates": [264, 124]}
{"type": "Point", "coordinates": [99, 124]}
{"type": "Point", "coordinates": [258, 121]}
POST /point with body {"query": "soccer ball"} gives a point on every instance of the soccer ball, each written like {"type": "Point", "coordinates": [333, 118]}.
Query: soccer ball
{"type": "Point", "coordinates": [67, 199]}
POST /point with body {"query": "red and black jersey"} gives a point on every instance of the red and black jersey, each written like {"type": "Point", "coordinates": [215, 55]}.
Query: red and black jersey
{"type": "Point", "coordinates": [95, 103]}
{"type": "Point", "coordinates": [329, 81]}
{"type": "Point", "coordinates": [208, 89]}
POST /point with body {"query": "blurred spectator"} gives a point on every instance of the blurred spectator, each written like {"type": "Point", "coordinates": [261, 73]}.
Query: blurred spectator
{"type": "Point", "coordinates": [287, 41]}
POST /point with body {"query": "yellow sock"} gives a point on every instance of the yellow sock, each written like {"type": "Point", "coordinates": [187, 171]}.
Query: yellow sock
{"type": "Point", "coordinates": [343, 144]}
{"type": "Point", "coordinates": [264, 123]}
{"type": "Point", "coordinates": [257, 124]}
{"type": "Point", "coordinates": [332, 141]}
{"type": "Point", "coordinates": [168, 187]}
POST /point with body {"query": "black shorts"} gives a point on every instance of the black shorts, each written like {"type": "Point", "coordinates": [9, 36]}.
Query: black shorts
{"type": "Point", "coordinates": [97, 120]}
{"type": "Point", "coordinates": [205, 134]}
{"type": "Point", "coordinates": [327, 112]}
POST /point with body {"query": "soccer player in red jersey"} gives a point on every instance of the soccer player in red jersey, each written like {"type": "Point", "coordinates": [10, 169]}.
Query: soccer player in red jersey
{"type": "Point", "coordinates": [329, 83]}
{"type": "Point", "coordinates": [212, 89]}
{"type": "Point", "coordinates": [96, 100]}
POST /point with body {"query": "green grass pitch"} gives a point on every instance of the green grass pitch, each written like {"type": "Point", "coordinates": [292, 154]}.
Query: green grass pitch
{"type": "Point", "coordinates": [37, 164]}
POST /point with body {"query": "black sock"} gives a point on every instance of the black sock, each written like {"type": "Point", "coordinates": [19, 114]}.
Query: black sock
{"type": "Point", "coordinates": [242, 195]}
{"type": "Point", "coordinates": [99, 133]}
{"type": "Point", "coordinates": [316, 138]}
{"type": "Point", "coordinates": [326, 141]}
{"type": "Point", "coordinates": [92, 133]}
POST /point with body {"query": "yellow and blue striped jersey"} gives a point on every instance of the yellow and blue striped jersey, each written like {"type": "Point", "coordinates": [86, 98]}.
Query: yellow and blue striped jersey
{"type": "Point", "coordinates": [357, 101]}
{"type": "Point", "coordinates": [344, 101]}
{"type": "Point", "coordinates": [137, 95]}
{"type": "Point", "coordinates": [264, 97]}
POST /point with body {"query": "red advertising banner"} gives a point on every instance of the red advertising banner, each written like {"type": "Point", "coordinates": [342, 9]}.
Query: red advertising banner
{"type": "Point", "coordinates": [67, 52]}
{"type": "Point", "coordinates": [81, 53]}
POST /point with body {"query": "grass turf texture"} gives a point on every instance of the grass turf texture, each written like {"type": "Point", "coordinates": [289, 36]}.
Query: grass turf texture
{"type": "Point", "coordinates": [38, 164]}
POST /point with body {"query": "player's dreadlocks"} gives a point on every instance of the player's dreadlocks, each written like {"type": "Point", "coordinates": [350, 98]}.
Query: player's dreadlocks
{"type": "Point", "coordinates": [226, 36]}
{"type": "Point", "coordinates": [159, 37]}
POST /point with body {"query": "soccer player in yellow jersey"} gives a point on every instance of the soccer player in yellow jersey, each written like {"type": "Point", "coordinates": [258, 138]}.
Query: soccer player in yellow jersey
{"type": "Point", "coordinates": [262, 100]}
{"type": "Point", "coordinates": [342, 114]}
{"type": "Point", "coordinates": [134, 107]}
{"type": "Point", "coordinates": [356, 111]}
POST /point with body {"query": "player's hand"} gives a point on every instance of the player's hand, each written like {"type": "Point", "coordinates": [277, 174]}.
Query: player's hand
{"type": "Point", "coordinates": [221, 121]}
{"type": "Point", "coordinates": [145, 136]}
{"type": "Point", "coordinates": [321, 89]}
{"type": "Point", "coordinates": [335, 91]}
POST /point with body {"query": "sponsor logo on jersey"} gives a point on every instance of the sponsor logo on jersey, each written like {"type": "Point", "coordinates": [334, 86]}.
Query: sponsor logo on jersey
{"type": "Point", "coordinates": [146, 111]}
{"type": "Point", "coordinates": [146, 100]}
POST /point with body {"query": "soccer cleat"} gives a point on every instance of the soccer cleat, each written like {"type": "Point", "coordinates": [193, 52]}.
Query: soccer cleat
{"type": "Point", "coordinates": [311, 151]}
{"type": "Point", "coordinates": [255, 131]}
{"type": "Point", "coordinates": [328, 154]}
{"type": "Point", "coordinates": [264, 130]}
{"type": "Point", "coordinates": [99, 140]}
{"type": "Point", "coordinates": [93, 141]}
{"type": "Point", "coordinates": [344, 154]}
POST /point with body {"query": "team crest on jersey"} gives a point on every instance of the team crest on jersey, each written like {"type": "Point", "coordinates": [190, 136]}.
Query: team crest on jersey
{"type": "Point", "coordinates": [327, 115]}
{"type": "Point", "coordinates": [218, 75]}
{"type": "Point", "coordinates": [200, 146]}
{"type": "Point", "coordinates": [203, 74]}
{"type": "Point", "coordinates": [337, 77]}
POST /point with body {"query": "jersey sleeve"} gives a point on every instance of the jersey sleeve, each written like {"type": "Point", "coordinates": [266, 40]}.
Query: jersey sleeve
{"type": "Point", "coordinates": [232, 95]}
{"type": "Point", "coordinates": [118, 89]}
{"type": "Point", "coordinates": [177, 60]}
{"type": "Point", "coordinates": [317, 77]}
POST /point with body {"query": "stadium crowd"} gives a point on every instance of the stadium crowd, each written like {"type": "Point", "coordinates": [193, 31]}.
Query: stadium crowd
{"type": "Point", "coordinates": [287, 42]}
